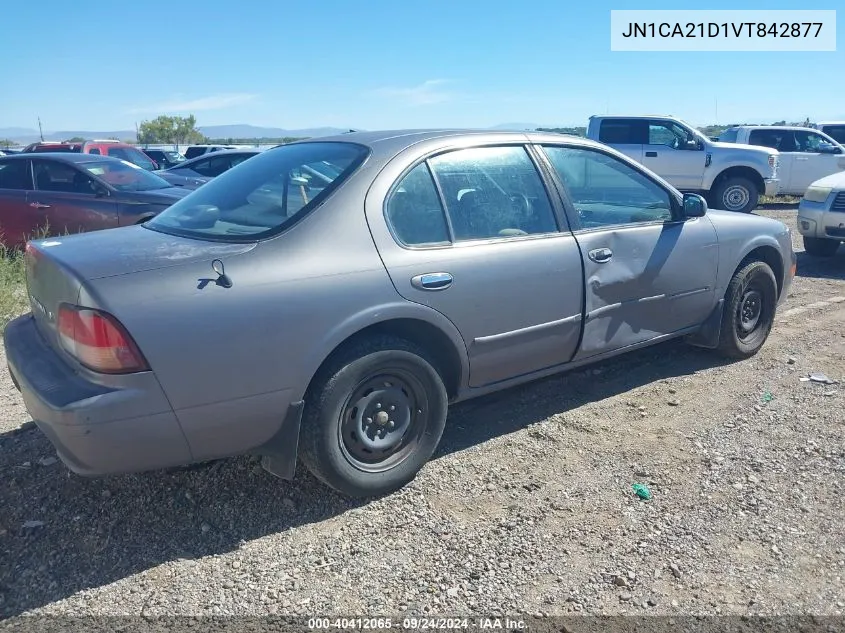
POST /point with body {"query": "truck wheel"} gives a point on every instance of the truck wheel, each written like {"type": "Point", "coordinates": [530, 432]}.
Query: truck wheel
{"type": "Point", "coordinates": [373, 417]}
{"type": "Point", "coordinates": [820, 247]}
{"type": "Point", "coordinates": [750, 304]}
{"type": "Point", "coordinates": [735, 194]}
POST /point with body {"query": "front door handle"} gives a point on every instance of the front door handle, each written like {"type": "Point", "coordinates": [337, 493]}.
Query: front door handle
{"type": "Point", "coordinates": [802, 158]}
{"type": "Point", "coordinates": [651, 154]}
{"type": "Point", "coordinates": [432, 281]}
{"type": "Point", "coordinates": [38, 205]}
{"type": "Point", "coordinates": [600, 255]}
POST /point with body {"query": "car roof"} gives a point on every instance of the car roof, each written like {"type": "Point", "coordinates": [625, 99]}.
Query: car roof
{"type": "Point", "coordinates": [831, 123]}
{"type": "Point", "coordinates": [776, 127]}
{"type": "Point", "coordinates": [386, 142]}
{"type": "Point", "coordinates": [65, 157]}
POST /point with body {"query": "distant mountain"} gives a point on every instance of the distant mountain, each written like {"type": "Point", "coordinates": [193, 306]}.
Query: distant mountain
{"type": "Point", "coordinates": [29, 135]}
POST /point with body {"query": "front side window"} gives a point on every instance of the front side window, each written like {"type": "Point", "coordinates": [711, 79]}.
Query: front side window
{"type": "Point", "coordinates": [262, 196]}
{"type": "Point", "coordinates": [606, 191]}
{"type": "Point", "coordinates": [810, 142]}
{"type": "Point", "coordinates": [669, 134]}
{"type": "Point", "coordinates": [124, 176]}
{"type": "Point", "coordinates": [210, 167]}
{"type": "Point", "coordinates": [61, 177]}
{"type": "Point", "coordinates": [14, 174]}
{"type": "Point", "coordinates": [493, 192]}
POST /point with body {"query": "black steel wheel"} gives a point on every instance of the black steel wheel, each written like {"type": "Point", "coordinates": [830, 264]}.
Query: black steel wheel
{"type": "Point", "coordinates": [749, 312]}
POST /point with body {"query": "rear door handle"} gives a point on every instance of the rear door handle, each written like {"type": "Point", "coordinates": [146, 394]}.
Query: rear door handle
{"type": "Point", "coordinates": [432, 281]}
{"type": "Point", "coordinates": [600, 255]}
{"type": "Point", "coordinates": [38, 205]}
{"type": "Point", "coordinates": [651, 154]}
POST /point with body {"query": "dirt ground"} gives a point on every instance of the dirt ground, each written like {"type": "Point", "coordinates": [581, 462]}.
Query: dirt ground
{"type": "Point", "coordinates": [527, 508]}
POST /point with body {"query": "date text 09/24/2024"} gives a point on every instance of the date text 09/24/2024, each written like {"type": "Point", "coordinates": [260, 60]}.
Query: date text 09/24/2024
{"type": "Point", "coordinates": [419, 623]}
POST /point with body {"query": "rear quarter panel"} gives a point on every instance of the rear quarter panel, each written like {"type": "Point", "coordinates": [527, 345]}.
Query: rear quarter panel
{"type": "Point", "coordinates": [244, 353]}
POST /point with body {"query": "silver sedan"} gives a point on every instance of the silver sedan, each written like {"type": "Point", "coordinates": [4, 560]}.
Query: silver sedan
{"type": "Point", "coordinates": [328, 299]}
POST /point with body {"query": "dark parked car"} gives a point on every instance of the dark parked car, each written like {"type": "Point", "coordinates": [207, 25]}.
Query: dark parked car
{"type": "Point", "coordinates": [165, 158]}
{"type": "Point", "coordinates": [196, 172]}
{"type": "Point", "coordinates": [198, 150]}
{"type": "Point", "coordinates": [75, 192]}
{"type": "Point", "coordinates": [337, 316]}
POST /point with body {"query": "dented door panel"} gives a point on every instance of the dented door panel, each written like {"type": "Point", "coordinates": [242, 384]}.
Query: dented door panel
{"type": "Point", "coordinates": [659, 279]}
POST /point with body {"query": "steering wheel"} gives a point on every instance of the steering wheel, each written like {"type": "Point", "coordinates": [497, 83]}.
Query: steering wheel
{"type": "Point", "coordinates": [201, 216]}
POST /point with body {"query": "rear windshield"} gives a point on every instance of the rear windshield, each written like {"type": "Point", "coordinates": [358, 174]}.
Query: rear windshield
{"type": "Point", "coordinates": [836, 132]}
{"type": "Point", "coordinates": [263, 195]}
{"type": "Point", "coordinates": [125, 176]}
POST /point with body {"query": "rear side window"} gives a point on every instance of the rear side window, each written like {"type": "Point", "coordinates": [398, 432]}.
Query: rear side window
{"type": "Point", "coordinates": [729, 135]}
{"type": "Point", "coordinates": [488, 192]}
{"type": "Point", "coordinates": [771, 138]}
{"type": "Point", "coordinates": [836, 132]}
{"type": "Point", "coordinates": [414, 210]}
{"type": "Point", "coordinates": [263, 195]}
{"type": "Point", "coordinates": [14, 174]}
{"type": "Point", "coordinates": [622, 131]}
{"type": "Point", "coordinates": [94, 150]}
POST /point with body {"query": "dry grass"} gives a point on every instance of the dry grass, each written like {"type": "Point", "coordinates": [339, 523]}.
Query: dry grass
{"type": "Point", "coordinates": [12, 285]}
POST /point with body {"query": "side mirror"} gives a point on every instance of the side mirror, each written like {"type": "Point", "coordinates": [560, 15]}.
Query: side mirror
{"type": "Point", "coordinates": [100, 191]}
{"type": "Point", "coordinates": [692, 144]}
{"type": "Point", "coordinates": [827, 148]}
{"type": "Point", "coordinates": [694, 205]}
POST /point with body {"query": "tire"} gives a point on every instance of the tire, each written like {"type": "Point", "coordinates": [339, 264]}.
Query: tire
{"type": "Point", "coordinates": [735, 194]}
{"type": "Point", "coordinates": [750, 304]}
{"type": "Point", "coordinates": [360, 458]}
{"type": "Point", "coordinates": [820, 247]}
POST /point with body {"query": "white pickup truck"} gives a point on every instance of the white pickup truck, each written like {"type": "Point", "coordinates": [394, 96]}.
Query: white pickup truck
{"type": "Point", "coordinates": [805, 154]}
{"type": "Point", "coordinates": [731, 176]}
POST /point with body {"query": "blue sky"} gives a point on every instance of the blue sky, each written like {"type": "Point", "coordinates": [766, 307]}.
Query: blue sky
{"type": "Point", "coordinates": [88, 65]}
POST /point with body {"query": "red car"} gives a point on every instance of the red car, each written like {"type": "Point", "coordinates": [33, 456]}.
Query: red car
{"type": "Point", "coordinates": [75, 192]}
{"type": "Point", "coordinates": [106, 147]}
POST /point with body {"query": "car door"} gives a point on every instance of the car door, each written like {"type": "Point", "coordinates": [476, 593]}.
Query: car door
{"type": "Point", "coordinates": [648, 272]}
{"type": "Point", "coordinates": [17, 220]}
{"type": "Point", "coordinates": [811, 163]}
{"type": "Point", "coordinates": [66, 199]}
{"type": "Point", "coordinates": [624, 135]}
{"type": "Point", "coordinates": [674, 154]}
{"type": "Point", "coordinates": [473, 234]}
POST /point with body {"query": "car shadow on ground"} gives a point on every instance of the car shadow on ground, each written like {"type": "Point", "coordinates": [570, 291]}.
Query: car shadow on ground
{"type": "Point", "coordinates": [61, 533]}
{"type": "Point", "coordinates": [821, 267]}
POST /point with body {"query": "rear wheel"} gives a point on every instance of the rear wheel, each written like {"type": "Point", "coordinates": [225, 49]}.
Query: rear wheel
{"type": "Point", "coordinates": [735, 194]}
{"type": "Point", "coordinates": [374, 416]}
{"type": "Point", "coordinates": [820, 247]}
{"type": "Point", "coordinates": [750, 304]}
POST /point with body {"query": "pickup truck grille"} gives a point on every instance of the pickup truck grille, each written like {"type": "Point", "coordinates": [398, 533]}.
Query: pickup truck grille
{"type": "Point", "coordinates": [838, 202]}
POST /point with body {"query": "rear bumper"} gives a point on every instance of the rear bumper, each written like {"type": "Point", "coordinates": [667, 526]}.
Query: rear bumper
{"type": "Point", "coordinates": [96, 429]}
{"type": "Point", "coordinates": [771, 186]}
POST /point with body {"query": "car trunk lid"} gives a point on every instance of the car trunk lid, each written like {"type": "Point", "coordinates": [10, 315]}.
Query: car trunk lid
{"type": "Point", "coordinates": [57, 269]}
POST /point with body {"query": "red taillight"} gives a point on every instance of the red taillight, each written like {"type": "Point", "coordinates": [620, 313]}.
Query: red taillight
{"type": "Point", "coordinates": [98, 341]}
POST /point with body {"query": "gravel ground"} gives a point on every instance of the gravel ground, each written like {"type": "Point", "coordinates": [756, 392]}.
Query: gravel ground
{"type": "Point", "coordinates": [528, 507]}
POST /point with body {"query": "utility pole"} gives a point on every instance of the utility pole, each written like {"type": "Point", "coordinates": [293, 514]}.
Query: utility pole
{"type": "Point", "coordinates": [40, 132]}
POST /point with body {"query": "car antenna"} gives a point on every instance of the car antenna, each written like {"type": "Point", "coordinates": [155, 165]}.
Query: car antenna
{"type": "Point", "coordinates": [222, 278]}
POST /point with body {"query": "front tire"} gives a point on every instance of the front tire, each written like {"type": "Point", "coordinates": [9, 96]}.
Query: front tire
{"type": "Point", "coordinates": [735, 194]}
{"type": "Point", "coordinates": [373, 417]}
{"type": "Point", "coordinates": [750, 304]}
{"type": "Point", "coordinates": [820, 247]}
